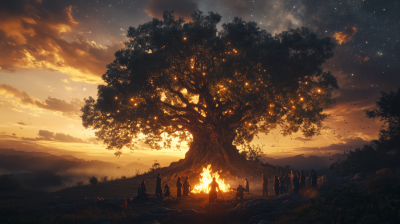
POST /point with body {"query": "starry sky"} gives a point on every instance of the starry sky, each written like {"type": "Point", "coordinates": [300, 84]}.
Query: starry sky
{"type": "Point", "coordinates": [53, 53]}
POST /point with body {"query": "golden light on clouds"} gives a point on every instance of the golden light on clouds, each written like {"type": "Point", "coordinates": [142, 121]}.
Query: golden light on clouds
{"type": "Point", "coordinates": [36, 40]}
{"type": "Point", "coordinates": [69, 109]}
{"type": "Point", "coordinates": [345, 35]}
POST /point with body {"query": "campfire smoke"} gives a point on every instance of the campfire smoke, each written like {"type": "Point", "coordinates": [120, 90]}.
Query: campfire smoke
{"type": "Point", "coordinates": [206, 179]}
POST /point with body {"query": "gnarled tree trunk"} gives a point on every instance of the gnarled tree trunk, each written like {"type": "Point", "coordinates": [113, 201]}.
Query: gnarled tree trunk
{"type": "Point", "coordinates": [214, 148]}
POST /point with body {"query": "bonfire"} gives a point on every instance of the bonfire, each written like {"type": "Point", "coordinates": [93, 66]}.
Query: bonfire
{"type": "Point", "coordinates": [206, 179]}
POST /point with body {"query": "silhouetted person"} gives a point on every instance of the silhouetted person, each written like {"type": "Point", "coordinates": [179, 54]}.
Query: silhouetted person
{"type": "Point", "coordinates": [287, 182]}
{"type": "Point", "coordinates": [142, 191]}
{"type": "Point", "coordinates": [212, 196]}
{"type": "Point", "coordinates": [240, 192]}
{"type": "Point", "coordinates": [302, 182]}
{"type": "Point", "coordinates": [276, 186]}
{"type": "Point", "coordinates": [246, 183]}
{"type": "Point", "coordinates": [295, 182]}
{"type": "Point", "coordinates": [264, 181]}
{"type": "Point", "coordinates": [178, 188]}
{"type": "Point", "coordinates": [186, 186]}
{"type": "Point", "coordinates": [314, 185]}
{"type": "Point", "coordinates": [167, 191]}
{"type": "Point", "coordinates": [281, 185]}
{"type": "Point", "coordinates": [158, 186]}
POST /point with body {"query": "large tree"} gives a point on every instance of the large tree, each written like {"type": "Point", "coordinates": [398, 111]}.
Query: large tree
{"type": "Point", "coordinates": [388, 110]}
{"type": "Point", "coordinates": [215, 89]}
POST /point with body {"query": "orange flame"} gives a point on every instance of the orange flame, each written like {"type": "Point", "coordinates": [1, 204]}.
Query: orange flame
{"type": "Point", "coordinates": [206, 179]}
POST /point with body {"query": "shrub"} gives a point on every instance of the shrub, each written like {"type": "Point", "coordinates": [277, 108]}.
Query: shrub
{"type": "Point", "coordinates": [9, 182]}
{"type": "Point", "coordinates": [137, 171]}
{"type": "Point", "coordinates": [79, 183]}
{"type": "Point", "coordinates": [376, 182]}
{"type": "Point", "coordinates": [123, 177]}
{"type": "Point", "coordinates": [381, 204]}
{"type": "Point", "coordinates": [366, 159]}
{"type": "Point", "coordinates": [104, 179]}
{"type": "Point", "coordinates": [93, 180]}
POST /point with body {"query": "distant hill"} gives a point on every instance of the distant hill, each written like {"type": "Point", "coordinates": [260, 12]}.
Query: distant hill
{"type": "Point", "coordinates": [12, 161]}
{"type": "Point", "coordinates": [306, 163]}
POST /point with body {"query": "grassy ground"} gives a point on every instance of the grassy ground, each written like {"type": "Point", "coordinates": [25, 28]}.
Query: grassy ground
{"type": "Point", "coordinates": [27, 206]}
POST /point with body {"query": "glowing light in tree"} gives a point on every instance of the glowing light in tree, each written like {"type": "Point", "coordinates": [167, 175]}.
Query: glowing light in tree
{"type": "Point", "coordinates": [319, 90]}
{"type": "Point", "coordinates": [206, 179]}
{"type": "Point", "coordinates": [301, 98]}
{"type": "Point", "coordinates": [184, 38]}
{"type": "Point", "coordinates": [116, 98]}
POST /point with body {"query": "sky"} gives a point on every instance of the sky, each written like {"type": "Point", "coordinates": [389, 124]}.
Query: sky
{"type": "Point", "coordinates": [53, 53]}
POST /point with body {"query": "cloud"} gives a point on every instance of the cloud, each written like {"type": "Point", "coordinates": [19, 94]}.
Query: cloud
{"type": "Point", "coordinates": [274, 16]}
{"type": "Point", "coordinates": [347, 144]}
{"type": "Point", "coordinates": [182, 8]}
{"type": "Point", "coordinates": [345, 35]}
{"type": "Point", "coordinates": [70, 109]}
{"type": "Point", "coordinates": [303, 139]}
{"type": "Point", "coordinates": [21, 123]}
{"type": "Point", "coordinates": [59, 137]}
{"type": "Point", "coordinates": [33, 37]}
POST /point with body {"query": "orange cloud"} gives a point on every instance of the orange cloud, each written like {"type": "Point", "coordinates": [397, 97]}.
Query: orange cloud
{"type": "Point", "coordinates": [70, 109]}
{"type": "Point", "coordinates": [32, 37]}
{"type": "Point", "coordinates": [181, 8]}
{"type": "Point", "coordinates": [345, 35]}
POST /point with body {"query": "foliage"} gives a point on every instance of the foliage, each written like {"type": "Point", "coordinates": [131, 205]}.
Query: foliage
{"type": "Point", "coordinates": [349, 205]}
{"type": "Point", "coordinates": [253, 153]}
{"type": "Point", "coordinates": [156, 165]}
{"type": "Point", "coordinates": [104, 179]}
{"type": "Point", "coordinates": [79, 183]}
{"type": "Point", "coordinates": [388, 111]}
{"type": "Point", "coordinates": [93, 180]}
{"type": "Point", "coordinates": [186, 80]}
{"type": "Point", "coordinates": [137, 171]}
{"type": "Point", "coordinates": [366, 159]}
{"type": "Point", "coordinates": [9, 182]}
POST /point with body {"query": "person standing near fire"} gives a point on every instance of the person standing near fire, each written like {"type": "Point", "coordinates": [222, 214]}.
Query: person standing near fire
{"type": "Point", "coordinates": [276, 186]}
{"type": "Point", "coordinates": [212, 196]}
{"type": "Point", "coordinates": [246, 183]}
{"type": "Point", "coordinates": [158, 186]}
{"type": "Point", "coordinates": [264, 185]}
{"type": "Point", "coordinates": [167, 191]}
{"type": "Point", "coordinates": [239, 192]}
{"type": "Point", "coordinates": [178, 188]}
{"type": "Point", "coordinates": [186, 187]}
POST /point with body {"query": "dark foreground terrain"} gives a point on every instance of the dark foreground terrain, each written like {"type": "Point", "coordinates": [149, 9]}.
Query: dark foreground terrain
{"type": "Point", "coordinates": [364, 198]}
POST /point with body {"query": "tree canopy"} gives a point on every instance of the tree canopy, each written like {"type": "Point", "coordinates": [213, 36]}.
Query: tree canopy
{"type": "Point", "coordinates": [388, 110]}
{"type": "Point", "coordinates": [191, 81]}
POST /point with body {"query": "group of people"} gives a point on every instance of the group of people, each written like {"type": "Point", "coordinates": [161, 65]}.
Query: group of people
{"type": "Point", "coordinates": [142, 191]}
{"type": "Point", "coordinates": [298, 180]}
